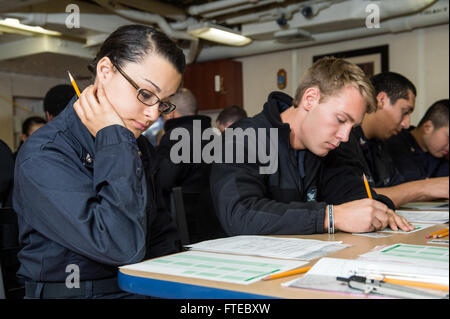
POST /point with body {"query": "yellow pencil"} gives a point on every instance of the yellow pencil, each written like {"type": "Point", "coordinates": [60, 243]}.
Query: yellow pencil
{"type": "Point", "coordinates": [440, 235]}
{"type": "Point", "coordinates": [288, 273]}
{"type": "Point", "coordinates": [366, 183]}
{"type": "Point", "coordinates": [74, 84]}
{"type": "Point", "coordinates": [415, 284]}
{"type": "Point", "coordinates": [439, 232]}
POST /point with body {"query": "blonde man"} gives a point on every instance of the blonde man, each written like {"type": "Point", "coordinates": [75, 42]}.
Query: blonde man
{"type": "Point", "coordinates": [331, 99]}
{"type": "Point", "coordinates": [366, 150]}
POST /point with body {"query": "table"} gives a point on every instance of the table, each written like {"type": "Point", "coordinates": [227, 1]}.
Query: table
{"type": "Point", "coordinates": [167, 286]}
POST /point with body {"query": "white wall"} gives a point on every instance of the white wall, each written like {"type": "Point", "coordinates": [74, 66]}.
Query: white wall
{"type": "Point", "coordinates": [25, 86]}
{"type": "Point", "coordinates": [421, 55]}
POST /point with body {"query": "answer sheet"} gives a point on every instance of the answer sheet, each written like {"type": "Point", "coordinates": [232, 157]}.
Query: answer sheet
{"type": "Point", "coordinates": [417, 255]}
{"type": "Point", "coordinates": [242, 270]}
{"type": "Point", "coordinates": [275, 247]}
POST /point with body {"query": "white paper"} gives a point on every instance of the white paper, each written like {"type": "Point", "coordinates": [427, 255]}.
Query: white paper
{"type": "Point", "coordinates": [426, 206]}
{"type": "Point", "coordinates": [406, 254]}
{"type": "Point", "coordinates": [372, 235]}
{"type": "Point", "coordinates": [427, 216]}
{"type": "Point", "coordinates": [218, 267]}
{"type": "Point", "coordinates": [274, 247]}
{"type": "Point", "coordinates": [323, 274]}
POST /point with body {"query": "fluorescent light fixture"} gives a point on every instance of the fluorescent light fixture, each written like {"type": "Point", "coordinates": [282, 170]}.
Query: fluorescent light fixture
{"type": "Point", "coordinates": [15, 24]}
{"type": "Point", "coordinates": [218, 34]}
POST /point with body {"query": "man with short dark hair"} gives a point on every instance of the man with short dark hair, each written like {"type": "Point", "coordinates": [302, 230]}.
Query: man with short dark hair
{"type": "Point", "coordinates": [420, 152]}
{"type": "Point", "coordinates": [366, 151]}
{"type": "Point", "coordinates": [229, 115]}
{"type": "Point", "coordinates": [56, 100]}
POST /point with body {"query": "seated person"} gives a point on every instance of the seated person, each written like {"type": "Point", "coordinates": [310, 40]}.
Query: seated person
{"type": "Point", "coordinates": [84, 192]}
{"type": "Point", "coordinates": [229, 115]}
{"type": "Point", "coordinates": [366, 151]}
{"type": "Point", "coordinates": [420, 152]}
{"type": "Point", "coordinates": [29, 126]}
{"type": "Point", "coordinates": [332, 97]}
{"type": "Point", "coordinates": [57, 99]}
{"type": "Point", "coordinates": [6, 174]}
{"type": "Point", "coordinates": [192, 175]}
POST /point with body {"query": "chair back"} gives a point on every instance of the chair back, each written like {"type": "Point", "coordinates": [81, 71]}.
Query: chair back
{"type": "Point", "coordinates": [11, 287]}
{"type": "Point", "coordinates": [195, 216]}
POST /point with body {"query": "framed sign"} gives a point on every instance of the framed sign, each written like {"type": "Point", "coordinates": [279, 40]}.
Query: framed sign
{"type": "Point", "coordinates": [371, 60]}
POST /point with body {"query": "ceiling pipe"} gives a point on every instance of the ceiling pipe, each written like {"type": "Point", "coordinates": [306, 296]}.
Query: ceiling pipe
{"type": "Point", "coordinates": [147, 18]}
{"type": "Point", "coordinates": [435, 15]}
{"type": "Point", "coordinates": [343, 15]}
{"type": "Point", "coordinates": [144, 17]}
{"type": "Point", "coordinates": [216, 5]}
{"type": "Point", "coordinates": [217, 13]}
{"type": "Point", "coordinates": [268, 15]}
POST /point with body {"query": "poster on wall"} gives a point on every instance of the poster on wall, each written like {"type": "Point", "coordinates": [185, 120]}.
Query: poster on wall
{"type": "Point", "coordinates": [371, 60]}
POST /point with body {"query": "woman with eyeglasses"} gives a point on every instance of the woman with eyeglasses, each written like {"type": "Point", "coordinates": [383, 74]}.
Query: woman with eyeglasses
{"type": "Point", "coordinates": [84, 192]}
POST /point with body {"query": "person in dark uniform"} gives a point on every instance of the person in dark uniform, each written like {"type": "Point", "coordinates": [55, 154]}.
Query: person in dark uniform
{"type": "Point", "coordinates": [366, 151]}
{"type": "Point", "coordinates": [422, 152]}
{"type": "Point", "coordinates": [84, 191]}
{"type": "Point", "coordinates": [191, 175]}
{"type": "Point", "coordinates": [6, 174]}
{"type": "Point", "coordinates": [332, 97]}
{"type": "Point", "coordinates": [56, 99]}
{"type": "Point", "coordinates": [229, 115]}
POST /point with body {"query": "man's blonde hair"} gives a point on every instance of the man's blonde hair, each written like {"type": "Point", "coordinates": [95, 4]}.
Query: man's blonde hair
{"type": "Point", "coordinates": [331, 75]}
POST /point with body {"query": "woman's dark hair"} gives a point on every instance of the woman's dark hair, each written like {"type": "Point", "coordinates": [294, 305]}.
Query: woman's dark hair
{"type": "Point", "coordinates": [29, 122]}
{"type": "Point", "coordinates": [133, 42]}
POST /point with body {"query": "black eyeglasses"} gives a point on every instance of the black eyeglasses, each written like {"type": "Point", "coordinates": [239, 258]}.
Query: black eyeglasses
{"type": "Point", "coordinates": [147, 97]}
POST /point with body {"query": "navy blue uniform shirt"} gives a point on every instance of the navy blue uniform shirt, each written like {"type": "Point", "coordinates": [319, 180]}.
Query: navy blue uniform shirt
{"type": "Point", "coordinates": [87, 201]}
{"type": "Point", "coordinates": [411, 161]}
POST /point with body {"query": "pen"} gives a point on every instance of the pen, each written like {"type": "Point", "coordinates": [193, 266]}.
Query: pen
{"type": "Point", "coordinates": [366, 183]}
{"type": "Point", "coordinates": [288, 273]}
{"type": "Point", "coordinates": [74, 84]}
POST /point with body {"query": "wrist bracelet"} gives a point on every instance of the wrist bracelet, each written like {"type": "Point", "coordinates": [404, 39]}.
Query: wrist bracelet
{"type": "Point", "coordinates": [330, 219]}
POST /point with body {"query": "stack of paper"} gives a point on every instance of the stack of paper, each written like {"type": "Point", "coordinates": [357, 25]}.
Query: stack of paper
{"type": "Point", "coordinates": [239, 259]}
{"type": "Point", "coordinates": [425, 216]}
{"type": "Point", "coordinates": [324, 273]}
{"type": "Point", "coordinates": [274, 247]}
{"type": "Point", "coordinates": [417, 263]}
{"type": "Point", "coordinates": [414, 255]}
{"type": "Point", "coordinates": [426, 206]}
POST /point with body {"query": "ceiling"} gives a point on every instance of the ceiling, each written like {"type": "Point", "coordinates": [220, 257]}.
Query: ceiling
{"type": "Point", "coordinates": [271, 24]}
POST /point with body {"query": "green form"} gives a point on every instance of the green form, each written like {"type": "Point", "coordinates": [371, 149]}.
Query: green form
{"type": "Point", "coordinates": [217, 267]}
{"type": "Point", "coordinates": [419, 252]}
